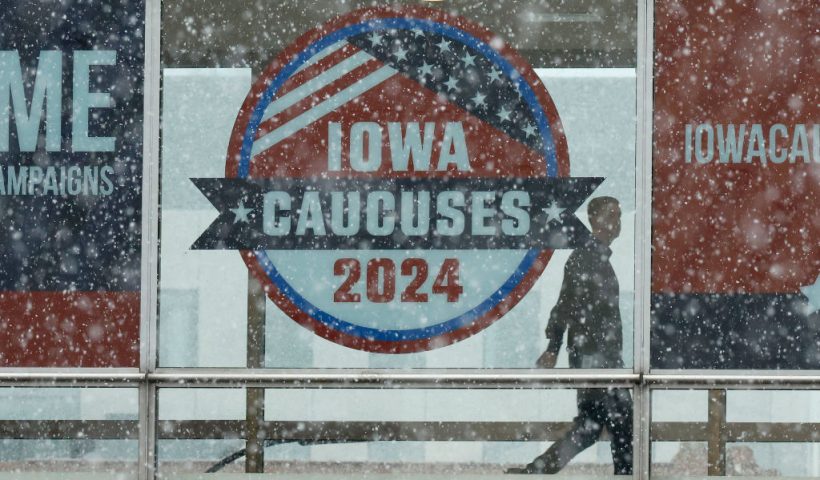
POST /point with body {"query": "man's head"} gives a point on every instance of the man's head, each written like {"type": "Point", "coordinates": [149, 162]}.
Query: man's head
{"type": "Point", "coordinates": [605, 218]}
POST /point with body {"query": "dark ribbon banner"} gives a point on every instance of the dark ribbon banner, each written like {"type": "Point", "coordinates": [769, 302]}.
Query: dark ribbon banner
{"type": "Point", "coordinates": [550, 212]}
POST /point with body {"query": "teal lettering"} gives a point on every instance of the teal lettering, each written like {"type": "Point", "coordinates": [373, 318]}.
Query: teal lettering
{"type": "Point", "coordinates": [730, 146]}
{"type": "Point", "coordinates": [85, 100]}
{"type": "Point", "coordinates": [800, 144]}
{"type": "Point", "coordinates": [18, 181]}
{"type": "Point", "coordinates": [757, 145]}
{"type": "Point", "coordinates": [47, 92]}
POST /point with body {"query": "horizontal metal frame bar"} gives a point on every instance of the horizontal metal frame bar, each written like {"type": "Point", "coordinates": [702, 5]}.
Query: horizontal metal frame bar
{"type": "Point", "coordinates": [708, 380]}
{"type": "Point", "coordinates": [743, 373]}
{"type": "Point", "coordinates": [76, 372]}
{"type": "Point", "coordinates": [371, 378]}
{"type": "Point", "coordinates": [448, 379]}
{"type": "Point", "coordinates": [74, 377]}
{"type": "Point", "coordinates": [309, 432]}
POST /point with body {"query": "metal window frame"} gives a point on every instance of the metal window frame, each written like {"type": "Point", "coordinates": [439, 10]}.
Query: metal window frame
{"type": "Point", "coordinates": [643, 239]}
{"type": "Point", "coordinates": [148, 397]}
{"type": "Point", "coordinates": [148, 378]}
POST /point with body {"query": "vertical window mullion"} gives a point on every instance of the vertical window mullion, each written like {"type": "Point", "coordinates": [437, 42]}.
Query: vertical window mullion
{"type": "Point", "coordinates": [643, 236]}
{"type": "Point", "coordinates": [150, 245]}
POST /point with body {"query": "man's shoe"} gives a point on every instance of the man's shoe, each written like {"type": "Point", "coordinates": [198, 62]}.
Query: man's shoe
{"type": "Point", "coordinates": [516, 470]}
{"type": "Point", "coordinates": [529, 469]}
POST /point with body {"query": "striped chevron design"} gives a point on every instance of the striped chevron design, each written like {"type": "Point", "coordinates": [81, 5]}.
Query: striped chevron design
{"type": "Point", "coordinates": [332, 78]}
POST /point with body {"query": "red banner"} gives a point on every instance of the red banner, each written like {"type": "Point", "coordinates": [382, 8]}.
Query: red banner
{"type": "Point", "coordinates": [735, 167]}
{"type": "Point", "coordinates": [736, 185]}
{"type": "Point", "coordinates": [79, 329]}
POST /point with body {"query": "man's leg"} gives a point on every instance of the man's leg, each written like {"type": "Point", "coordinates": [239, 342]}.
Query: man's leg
{"type": "Point", "coordinates": [586, 428]}
{"type": "Point", "coordinates": [619, 424]}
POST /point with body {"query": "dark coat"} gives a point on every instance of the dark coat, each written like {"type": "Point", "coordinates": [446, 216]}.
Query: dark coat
{"type": "Point", "coordinates": [588, 308]}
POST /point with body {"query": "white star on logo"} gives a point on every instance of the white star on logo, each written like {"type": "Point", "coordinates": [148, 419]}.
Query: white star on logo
{"type": "Point", "coordinates": [375, 38]}
{"type": "Point", "coordinates": [241, 212]}
{"type": "Point", "coordinates": [426, 69]}
{"type": "Point", "coordinates": [419, 32]}
{"type": "Point", "coordinates": [401, 54]}
{"type": "Point", "coordinates": [553, 212]}
{"type": "Point", "coordinates": [504, 114]}
{"type": "Point", "coordinates": [468, 59]}
{"type": "Point", "coordinates": [443, 45]}
{"type": "Point", "coordinates": [495, 75]}
{"type": "Point", "coordinates": [479, 99]}
{"type": "Point", "coordinates": [452, 83]}
{"type": "Point", "coordinates": [529, 130]}
{"type": "Point", "coordinates": [812, 293]}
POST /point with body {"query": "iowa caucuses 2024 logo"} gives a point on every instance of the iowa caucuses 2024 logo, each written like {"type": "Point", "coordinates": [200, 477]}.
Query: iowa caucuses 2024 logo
{"type": "Point", "coordinates": [397, 179]}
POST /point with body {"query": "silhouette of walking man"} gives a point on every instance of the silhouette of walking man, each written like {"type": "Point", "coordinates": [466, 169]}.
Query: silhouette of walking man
{"type": "Point", "coordinates": [588, 310]}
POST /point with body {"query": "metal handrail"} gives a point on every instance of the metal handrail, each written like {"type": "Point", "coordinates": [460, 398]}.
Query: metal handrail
{"type": "Point", "coordinates": [445, 378]}
{"type": "Point", "coordinates": [712, 379]}
{"type": "Point", "coordinates": [408, 379]}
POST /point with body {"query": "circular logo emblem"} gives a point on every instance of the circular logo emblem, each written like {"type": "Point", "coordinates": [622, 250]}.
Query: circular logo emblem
{"type": "Point", "coordinates": [397, 180]}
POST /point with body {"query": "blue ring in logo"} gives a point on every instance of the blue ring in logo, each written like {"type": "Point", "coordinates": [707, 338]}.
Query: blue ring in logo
{"type": "Point", "coordinates": [506, 68]}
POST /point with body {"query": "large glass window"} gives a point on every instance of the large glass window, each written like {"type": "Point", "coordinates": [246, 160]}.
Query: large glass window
{"type": "Point", "coordinates": [466, 305]}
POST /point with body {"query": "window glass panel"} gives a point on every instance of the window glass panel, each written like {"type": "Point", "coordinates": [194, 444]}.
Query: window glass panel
{"type": "Point", "coordinates": [71, 138]}
{"type": "Point", "coordinates": [666, 405]}
{"type": "Point", "coordinates": [768, 433]}
{"type": "Point", "coordinates": [773, 405]}
{"type": "Point", "coordinates": [581, 33]}
{"type": "Point", "coordinates": [346, 431]}
{"type": "Point", "coordinates": [356, 304]}
{"type": "Point", "coordinates": [82, 431]}
{"type": "Point", "coordinates": [198, 428]}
